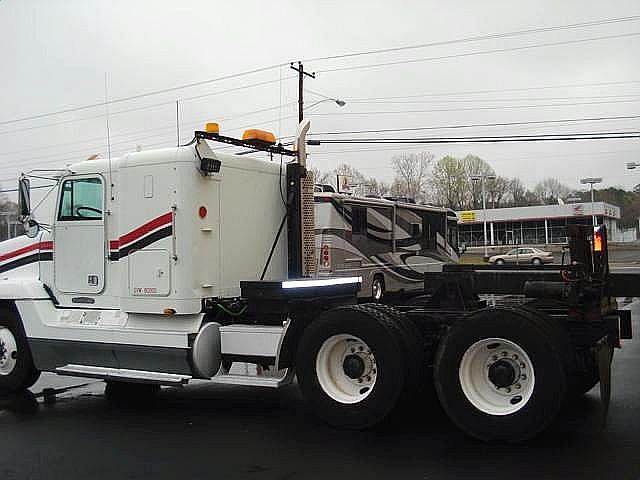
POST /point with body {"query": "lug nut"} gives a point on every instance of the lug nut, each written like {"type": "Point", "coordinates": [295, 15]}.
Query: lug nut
{"type": "Point", "coordinates": [517, 386]}
{"type": "Point", "coordinates": [523, 376]}
{"type": "Point", "coordinates": [515, 357]}
{"type": "Point", "coordinates": [521, 364]}
{"type": "Point", "coordinates": [508, 390]}
{"type": "Point", "coordinates": [360, 380]}
{"type": "Point", "coordinates": [353, 350]}
{"type": "Point", "coordinates": [361, 348]}
{"type": "Point", "coordinates": [504, 354]}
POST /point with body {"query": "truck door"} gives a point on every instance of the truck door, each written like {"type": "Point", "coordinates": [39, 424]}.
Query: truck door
{"type": "Point", "coordinates": [79, 242]}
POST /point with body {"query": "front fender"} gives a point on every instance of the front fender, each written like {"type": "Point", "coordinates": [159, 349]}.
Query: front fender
{"type": "Point", "coordinates": [22, 289]}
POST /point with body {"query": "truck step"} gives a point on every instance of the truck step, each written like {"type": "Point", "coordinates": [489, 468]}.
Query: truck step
{"type": "Point", "coordinates": [121, 374]}
{"type": "Point", "coordinates": [254, 380]}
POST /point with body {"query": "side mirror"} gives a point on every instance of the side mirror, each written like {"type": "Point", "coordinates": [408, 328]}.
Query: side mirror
{"type": "Point", "coordinates": [24, 197]}
{"type": "Point", "coordinates": [463, 248]}
{"type": "Point", "coordinates": [31, 228]}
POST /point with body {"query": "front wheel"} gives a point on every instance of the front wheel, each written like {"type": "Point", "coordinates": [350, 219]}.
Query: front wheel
{"type": "Point", "coordinates": [17, 371]}
{"type": "Point", "coordinates": [500, 262]}
{"type": "Point", "coordinates": [500, 374]}
{"type": "Point", "coordinates": [352, 366]}
{"type": "Point", "coordinates": [377, 289]}
{"type": "Point", "coordinates": [536, 261]}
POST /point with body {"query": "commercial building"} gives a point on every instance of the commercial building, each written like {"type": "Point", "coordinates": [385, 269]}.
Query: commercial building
{"type": "Point", "coordinates": [537, 225]}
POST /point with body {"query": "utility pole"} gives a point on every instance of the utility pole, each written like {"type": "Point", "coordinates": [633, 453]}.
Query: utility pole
{"type": "Point", "coordinates": [301, 74]}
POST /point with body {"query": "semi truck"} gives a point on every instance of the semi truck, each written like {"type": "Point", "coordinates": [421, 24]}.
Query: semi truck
{"type": "Point", "coordinates": [166, 266]}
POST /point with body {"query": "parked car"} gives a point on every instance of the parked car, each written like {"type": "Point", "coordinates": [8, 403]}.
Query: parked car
{"type": "Point", "coordinates": [523, 255]}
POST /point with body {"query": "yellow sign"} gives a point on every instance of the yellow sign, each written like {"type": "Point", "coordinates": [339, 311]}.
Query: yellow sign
{"type": "Point", "coordinates": [468, 216]}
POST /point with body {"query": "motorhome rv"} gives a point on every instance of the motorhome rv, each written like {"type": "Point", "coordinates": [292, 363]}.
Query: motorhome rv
{"type": "Point", "coordinates": [388, 242]}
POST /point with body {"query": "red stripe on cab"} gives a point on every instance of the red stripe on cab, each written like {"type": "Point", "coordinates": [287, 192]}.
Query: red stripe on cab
{"type": "Point", "coordinates": [48, 245]}
{"type": "Point", "coordinates": [142, 230]}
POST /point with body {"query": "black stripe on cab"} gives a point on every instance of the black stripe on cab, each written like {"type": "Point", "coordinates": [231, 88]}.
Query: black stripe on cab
{"type": "Point", "coordinates": [141, 243]}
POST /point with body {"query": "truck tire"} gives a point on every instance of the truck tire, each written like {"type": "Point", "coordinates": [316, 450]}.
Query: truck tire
{"type": "Point", "coordinates": [500, 374]}
{"type": "Point", "coordinates": [351, 367]}
{"type": "Point", "coordinates": [17, 371]}
{"type": "Point", "coordinates": [414, 348]}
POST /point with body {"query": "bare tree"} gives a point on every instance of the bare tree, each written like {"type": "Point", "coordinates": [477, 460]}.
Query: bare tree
{"type": "Point", "coordinates": [449, 182]}
{"type": "Point", "coordinates": [377, 187]}
{"type": "Point", "coordinates": [550, 190]}
{"type": "Point", "coordinates": [412, 173]}
{"type": "Point", "coordinates": [516, 192]}
{"type": "Point", "coordinates": [498, 189]}
{"type": "Point", "coordinates": [474, 165]}
{"type": "Point", "coordinates": [330, 178]}
{"type": "Point", "coordinates": [319, 177]}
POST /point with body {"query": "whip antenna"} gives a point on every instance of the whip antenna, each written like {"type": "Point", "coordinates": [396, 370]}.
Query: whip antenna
{"type": "Point", "coordinates": [106, 110]}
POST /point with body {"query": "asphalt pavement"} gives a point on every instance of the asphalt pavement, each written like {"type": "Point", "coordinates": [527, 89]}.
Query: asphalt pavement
{"type": "Point", "coordinates": [227, 432]}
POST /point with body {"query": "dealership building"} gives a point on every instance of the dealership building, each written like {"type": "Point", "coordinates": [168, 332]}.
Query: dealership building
{"type": "Point", "coordinates": [537, 225]}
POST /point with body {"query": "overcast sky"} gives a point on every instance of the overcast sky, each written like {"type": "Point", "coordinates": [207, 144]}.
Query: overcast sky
{"type": "Point", "coordinates": [55, 55]}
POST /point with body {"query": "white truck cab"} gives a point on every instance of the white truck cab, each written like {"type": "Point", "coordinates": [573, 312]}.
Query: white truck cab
{"type": "Point", "coordinates": [139, 249]}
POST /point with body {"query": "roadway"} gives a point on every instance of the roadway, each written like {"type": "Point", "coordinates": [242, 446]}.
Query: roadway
{"type": "Point", "coordinates": [210, 431]}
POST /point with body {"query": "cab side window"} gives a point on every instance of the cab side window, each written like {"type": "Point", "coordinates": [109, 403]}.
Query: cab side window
{"type": "Point", "coordinates": [81, 199]}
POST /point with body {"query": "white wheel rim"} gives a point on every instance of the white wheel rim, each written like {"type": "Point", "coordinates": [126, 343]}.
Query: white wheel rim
{"type": "Point", "coordinates": [478, 372]}
{"type": "Point", "coordinates": [330, 368]}
{"type": "Point", "coordinates": [8, 351]}
{"type": "Point", "coordinates": [377, 289]}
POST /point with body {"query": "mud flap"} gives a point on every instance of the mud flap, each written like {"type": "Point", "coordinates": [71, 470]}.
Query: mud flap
{"type": "Point", "coordinates": [603, 356]}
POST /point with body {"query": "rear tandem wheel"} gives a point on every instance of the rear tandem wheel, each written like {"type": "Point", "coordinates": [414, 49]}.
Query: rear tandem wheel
{"type": "Point", "coordinates": [501, 374]}
{"type": "Point", "coordinates": [352, 366]}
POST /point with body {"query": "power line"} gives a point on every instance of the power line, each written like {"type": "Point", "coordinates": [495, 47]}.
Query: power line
{"type": "Point", "coordinates": [491, 139]}
{"type": "Point", "coordinates": [474, 125]}
{"type": "Point", "coordinates": [479, 52]}
{"type": "Point", "coordinates": [55, 158]}
{"type": "Point", "coordinates": [245, 114]}
{"type": "Point", "coordinates": [476, 38]}
{"type": "Point", "coordinates": [501, 90]}
{"type": "Point", "coordinates": [145, 107]}
{"type": "Point", "coordinates": [145, 94]}
{"type": "Point", "coordinates": [473, 100]}
{"type": "Point", "coordinates": [466, 109]}
{"type": "Point", "coordinates": [493, 159]}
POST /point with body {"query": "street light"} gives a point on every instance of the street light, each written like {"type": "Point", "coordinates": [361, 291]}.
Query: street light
{"type": "Point", "coordinates": [337, 101]}
{"type": "Point", "coordinates": [482, 179]}
{"type": "Point", "coordinates": [591, 181]}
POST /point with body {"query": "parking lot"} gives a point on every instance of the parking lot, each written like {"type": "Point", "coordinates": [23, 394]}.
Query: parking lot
{"type": "Point", "coordinates": [210, 431]}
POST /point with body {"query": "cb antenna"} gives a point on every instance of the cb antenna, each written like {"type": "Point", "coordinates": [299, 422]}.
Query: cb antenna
{"type": "Point", "coordinates": [106, 110]}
